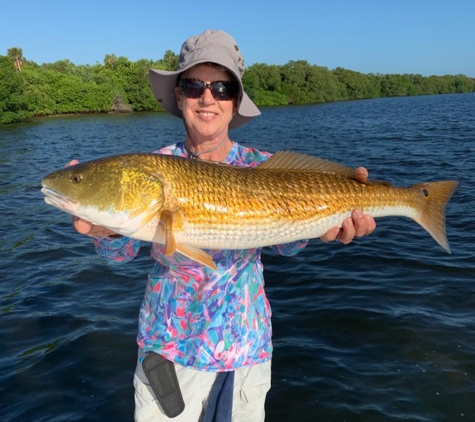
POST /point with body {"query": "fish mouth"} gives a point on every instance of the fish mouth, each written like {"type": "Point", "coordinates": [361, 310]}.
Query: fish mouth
{"type": "Point", "coordinates": [59, 200]}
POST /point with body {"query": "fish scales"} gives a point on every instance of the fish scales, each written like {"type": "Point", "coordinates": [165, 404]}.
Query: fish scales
{"type": "Point", "coordinates": [249, 206]}
{"type": "Point", "coordinates": [187, 204]}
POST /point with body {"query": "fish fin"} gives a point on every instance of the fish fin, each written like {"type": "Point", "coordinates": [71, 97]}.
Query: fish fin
{"type": "Point", "coordinates": [166, 219]}
{"type": "Point", "coordinates": [197, 255]}
{"type": "Point", "coordinates": [288, 160]}
{"type": "Point", "coordinates": [432, 216]}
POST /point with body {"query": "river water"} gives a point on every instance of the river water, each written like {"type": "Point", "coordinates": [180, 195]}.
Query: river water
{"type": "Point", "coordinates": [378, 330]}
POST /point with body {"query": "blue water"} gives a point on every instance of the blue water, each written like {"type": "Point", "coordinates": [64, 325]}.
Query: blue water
{"type": "Point", "coordinates": [378, 330]}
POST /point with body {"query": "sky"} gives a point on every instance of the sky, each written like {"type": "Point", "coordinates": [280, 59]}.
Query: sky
{"type": "Point", "coordinates": [428, 37]}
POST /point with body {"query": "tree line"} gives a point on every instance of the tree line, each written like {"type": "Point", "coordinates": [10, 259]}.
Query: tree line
{"type": "Point", "coordinates": [120, 85]}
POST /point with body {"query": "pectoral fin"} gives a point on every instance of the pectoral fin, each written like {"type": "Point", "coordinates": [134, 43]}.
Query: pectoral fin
{"type": "Point", "coordinates": [166, 219]}
{"type": "Point", "coordinates": [197, 255]}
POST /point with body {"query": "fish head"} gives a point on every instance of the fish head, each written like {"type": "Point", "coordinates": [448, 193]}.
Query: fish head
{"type": "Point", "coordinates": [118, 192]}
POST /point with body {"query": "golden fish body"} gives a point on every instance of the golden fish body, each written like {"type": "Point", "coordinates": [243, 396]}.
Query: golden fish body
{"type": "Point", "coordinates": [190, 205]}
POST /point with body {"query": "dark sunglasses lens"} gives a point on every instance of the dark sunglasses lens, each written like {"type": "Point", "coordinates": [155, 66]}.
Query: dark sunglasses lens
{"type": "Point", "coordinates": [191, 88]}
{"type": "Point", "coordinates": [223, 91]}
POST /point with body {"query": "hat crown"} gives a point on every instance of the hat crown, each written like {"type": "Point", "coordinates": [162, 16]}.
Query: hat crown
{"type": "Point", "coordinates": [208, 46]}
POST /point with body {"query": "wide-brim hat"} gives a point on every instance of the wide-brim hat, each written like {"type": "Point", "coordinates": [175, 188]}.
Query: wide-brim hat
{"type": "Point", "coordinates": [211, 46]}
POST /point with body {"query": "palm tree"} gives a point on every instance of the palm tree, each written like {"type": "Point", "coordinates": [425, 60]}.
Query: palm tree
{"type": "Point", "coordinates": [110, 60]}
{"type": "Point", "coordinates": [16, 54]}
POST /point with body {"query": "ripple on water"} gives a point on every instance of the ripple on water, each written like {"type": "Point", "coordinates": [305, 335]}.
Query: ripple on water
{"type": "Point", "coordinates": [379, 330]}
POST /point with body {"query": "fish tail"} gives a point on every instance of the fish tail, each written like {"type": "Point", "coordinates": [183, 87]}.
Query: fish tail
{"type": "Point", "coordinates": [436, 196]}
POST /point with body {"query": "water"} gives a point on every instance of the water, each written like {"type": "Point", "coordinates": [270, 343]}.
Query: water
{"type": "Point", "coordinates": [379, 330]}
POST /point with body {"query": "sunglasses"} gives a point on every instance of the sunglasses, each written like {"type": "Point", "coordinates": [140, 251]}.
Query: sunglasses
{"type": "Point", "coordinates": [221, 90]}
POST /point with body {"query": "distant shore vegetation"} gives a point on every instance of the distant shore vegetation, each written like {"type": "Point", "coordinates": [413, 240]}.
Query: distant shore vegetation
{"type": "Point", "coordinates": [119, 85]}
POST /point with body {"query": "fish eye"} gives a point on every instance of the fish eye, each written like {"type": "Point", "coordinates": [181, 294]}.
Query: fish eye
{"type": "Point", "coordinates": [76, 178]}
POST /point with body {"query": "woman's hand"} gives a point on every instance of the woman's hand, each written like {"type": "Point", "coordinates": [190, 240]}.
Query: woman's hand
{"type": "Point", "coordinates": [85, 227]}
{"type": "Point", "coordinates": [357, 225]}
{"type": "Point", "coordinates": [89, 229]}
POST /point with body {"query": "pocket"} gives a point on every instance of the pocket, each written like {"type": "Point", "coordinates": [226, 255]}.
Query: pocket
{"type": "Point", "coordinates": [255, 382]}
{"type": "Point", "coordinates": [251, 394]}
{"type": "Point", "coordinates": [252, 403]}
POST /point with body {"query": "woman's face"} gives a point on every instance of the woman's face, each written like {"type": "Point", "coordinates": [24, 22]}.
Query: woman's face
{"type": "Point", "coordinates": [206, 117]}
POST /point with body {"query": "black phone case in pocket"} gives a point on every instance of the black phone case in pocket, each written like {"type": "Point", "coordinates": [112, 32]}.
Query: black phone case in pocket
{"type": "Point", "coordinates": [161, 375]}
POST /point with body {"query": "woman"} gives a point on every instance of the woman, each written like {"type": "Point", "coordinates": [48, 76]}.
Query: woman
{"type": "Point", "coordinates": [206, 322]}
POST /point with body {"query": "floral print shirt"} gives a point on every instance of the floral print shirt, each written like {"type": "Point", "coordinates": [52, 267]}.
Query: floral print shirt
{"type": "Point", "coordinates": [194, 316]}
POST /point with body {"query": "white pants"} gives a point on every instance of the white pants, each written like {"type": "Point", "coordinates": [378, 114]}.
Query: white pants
{"type": "Point", "coordinates": [251, 385]}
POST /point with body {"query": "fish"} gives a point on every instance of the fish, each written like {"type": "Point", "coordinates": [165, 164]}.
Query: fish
{"type": "Point", "coordinates": [191, 206]}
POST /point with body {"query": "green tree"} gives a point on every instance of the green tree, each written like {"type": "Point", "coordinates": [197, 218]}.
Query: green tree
{"type": "Point", "coordinates": [61, 66]}
{"type": "Point", "coordinates": [13, 107]}
{"type": "Point", "coordinates": [171, 60]}
{"type": "Point", "coordinates": [357, 85]}
{"type": "Point", "coordinates": [37, 91]}
{"type": "Point", "coordinates": [120, 85]}
{"type": "Point", "coordinates": [306, 84]}
{"type": "Point", "coordinates": [464, 84]}
{"type": "Point", "coordinates": [294, 74]}
{"type": "Point", "coordinates": [16, 54]}
{"type": "Point", "coordinates": [263, 84]}
{"type": "Point", "coordinates": [138, 89]}
{"type": "Point", "coordinates": [395, 85]}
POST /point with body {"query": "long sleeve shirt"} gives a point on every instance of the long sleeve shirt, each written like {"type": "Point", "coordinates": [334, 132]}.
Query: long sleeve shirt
{"type": "Point", "coordinates": [197, 317]}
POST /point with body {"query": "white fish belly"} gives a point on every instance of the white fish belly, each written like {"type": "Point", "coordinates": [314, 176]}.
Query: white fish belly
{"type": "Point", "coordinates": [247, 236]}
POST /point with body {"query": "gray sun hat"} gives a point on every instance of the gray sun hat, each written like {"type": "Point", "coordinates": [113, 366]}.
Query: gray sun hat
{"type": "Point", "coordinates": [210, 46]}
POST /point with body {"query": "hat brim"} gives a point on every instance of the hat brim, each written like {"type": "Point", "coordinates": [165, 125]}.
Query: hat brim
{"type": "Point", "coordinates": [163, 84]}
